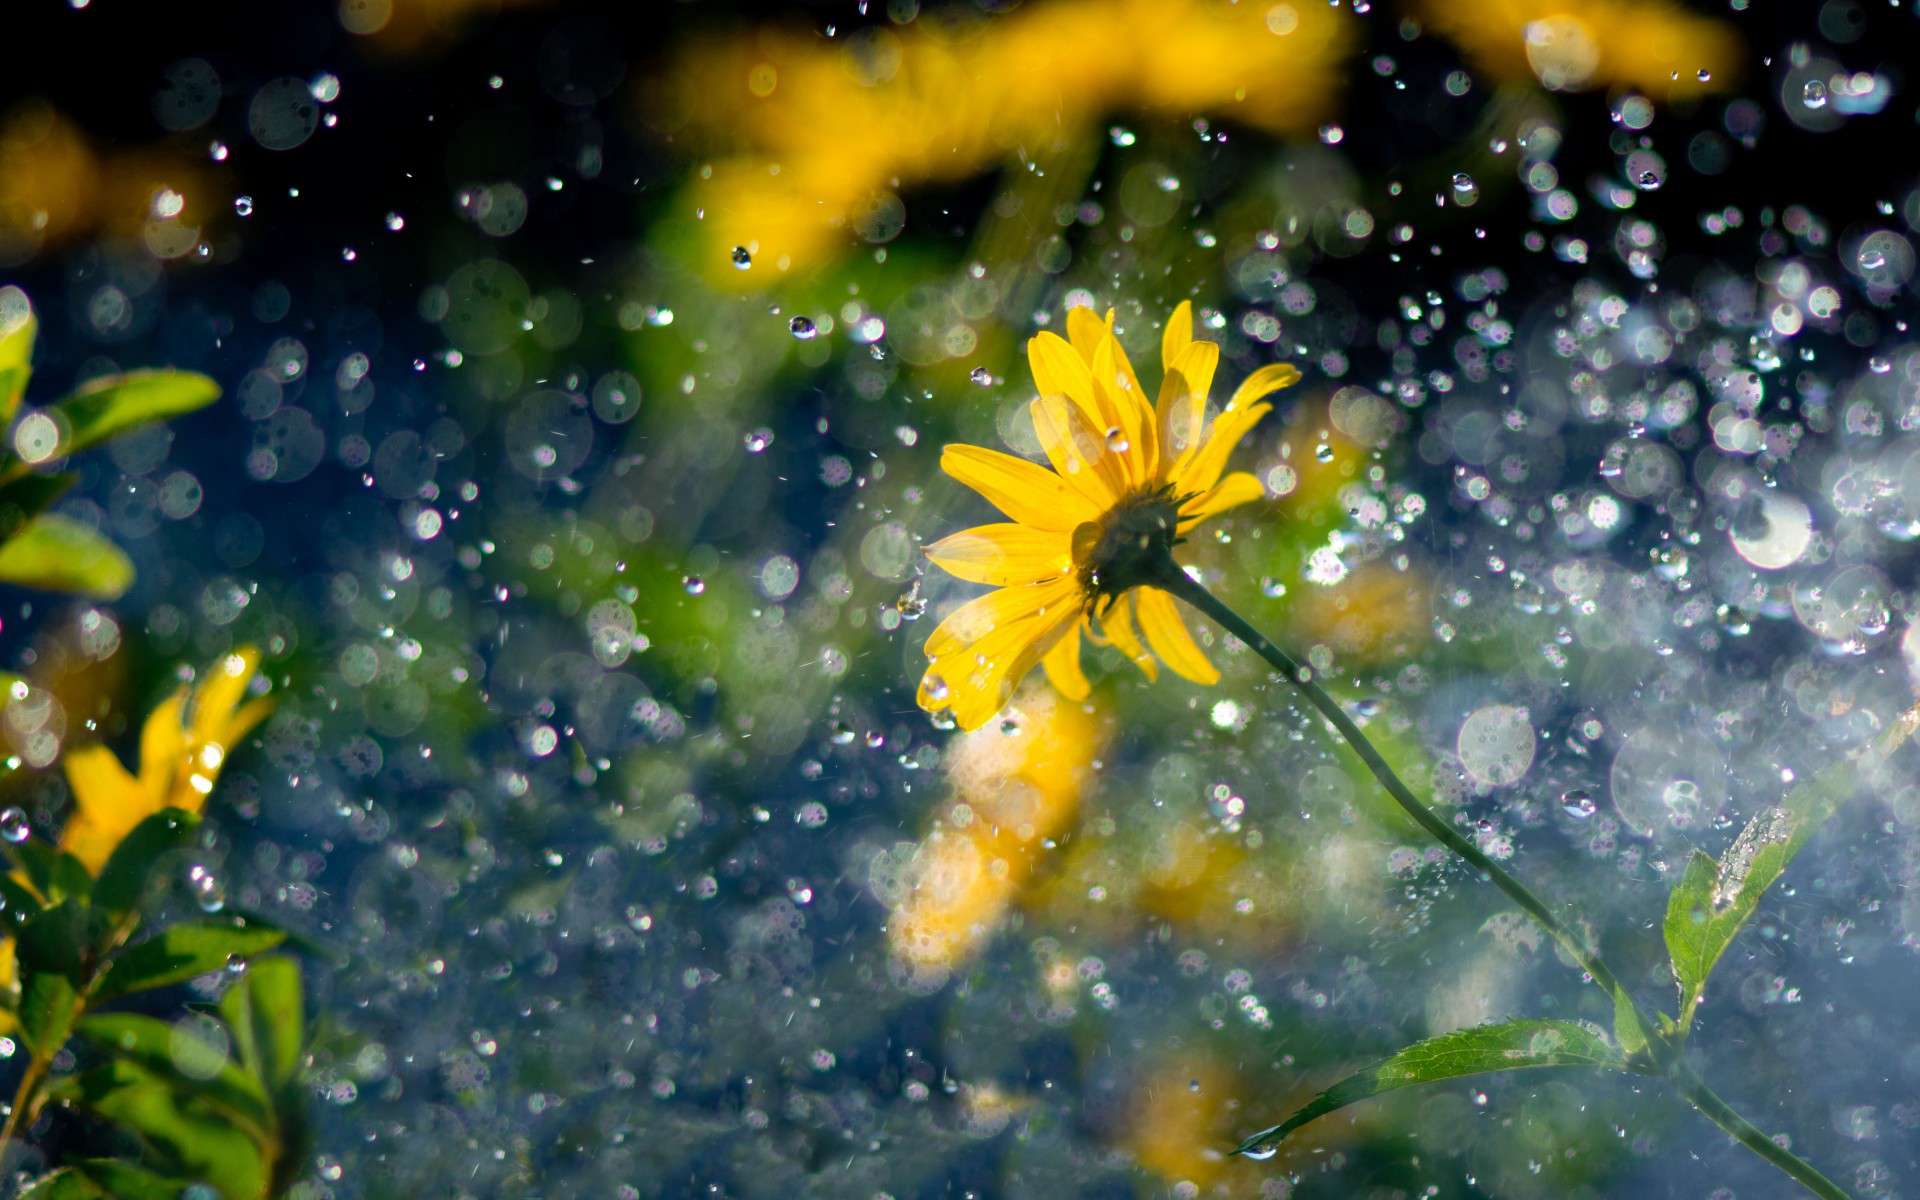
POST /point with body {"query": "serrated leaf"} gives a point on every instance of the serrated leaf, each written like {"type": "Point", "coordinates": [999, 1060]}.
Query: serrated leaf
{"type": "Point", "coordinates": [1508, 1046]}
{"type": "Point", "coordinates": [1713, 900]}
{"type": "Point", "coordinates": [113, 404]}
{"type": "Point", "coordinates": [58, 554]}
{"type": "Point", "coordinates": [266, 1014]}
{"type": "Point", "coordinates": [123, 880]}
{"type": "Point", "coordinates": [192, 1138]}
{"type": "Point", "coordinates": [176, 1051]}
{"type": "Point", "coordinates": [181, 952]}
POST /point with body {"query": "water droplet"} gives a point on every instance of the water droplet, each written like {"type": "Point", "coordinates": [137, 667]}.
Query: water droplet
{"type": "Point", "coordinates": [842, 734]}
{"type": "Point", "coordinates": [693, 584]}
{"type": "Point", "coordinates": [1260, 1152]}
{"type": "Point", "coordinates": [207, 890]}
{"type": "Point", "coordinates": [981, 376]}
{"type": "Point", "coordinates": [741, 259]}
{"type": "Point", "coordinates": [937, 689]}
{"type": "Point", "coordinates": [757, 440]}
{"type": "Point", "coordinates": [14, 826]}
{"type": "Point", "coordinates": [802, 329]}
{"type": "Point", "coordinates": [1814, 95]}
{"type": "Point", "coordinates": [1117, 440]}
{"type": "Point", "coordinates": [243, 205]}
{"type": "Point", "coordinates": [395, 222]}
{"type": "Point", "coordinates": [1577, 804]}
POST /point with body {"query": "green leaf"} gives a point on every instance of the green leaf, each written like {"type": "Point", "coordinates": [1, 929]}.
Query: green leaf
{"type": "Point", "coordinates": [1714, 899]}
{"type": "Point", "coordinates": [47, 1003]}
{"type": "Point", "coordinates": [65, 1183]}
{"type": "Point", "coordinates": [1508, 1046]}
{"type": "Point", "coordinates": [103, 407]}
{"type": "Point", "coordinates": [265, 1012]}
{"type": "Point", "coordinates": [27, 497]}
{"type": "Point", "coordinates": [191, 1054]}
{"type": "Point", "coordinates": [181, 952]}
{"type": "Point", "coordinates": [53, 872]}
{"type": "Point", "coordinates": [21, 905]}
{"type": "Point", "coordinates": [123, 880]}
{"type": "Point", "coordinates": [17, 328]}
{"type": "Point", "coordinates": [124, 1181]}
{"type": "Point", "coordinates": [193, 1138]}
{"type": "Point", "coordinates": [55, 940]}
{"type": "Point", "coordinates": [1627, 1030]}
{"type": "Point", "coordinates": [58, 554]}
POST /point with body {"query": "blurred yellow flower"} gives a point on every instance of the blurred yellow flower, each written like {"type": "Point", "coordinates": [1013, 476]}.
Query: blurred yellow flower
{"type": "Point", "coordinates": [182, 747]}
{"type": "Point", "coordinates": [1015, 788]}
{"type": "Point", "coordinates": [1127, 480]}
{"type": "Point", "coordinates": [1657, 47]}
{"type": "Point", "coordinates": [823, 133]}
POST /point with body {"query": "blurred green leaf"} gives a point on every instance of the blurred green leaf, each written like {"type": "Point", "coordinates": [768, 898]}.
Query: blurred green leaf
{"type": "Point", "coordinates": [54, 873]}
{"type": "Point", "coordinates": [65, 1183]}
{"type": "Point", "coordinates": [181, 952]}
{"type": "Point", "coordinates": [58, 554]}
{"type": "Point", "coordinates": [173, 1052]}
{"type": "Point", "coordinates": [27, 497]}
{"type": "Point", "coordinates": [191, 1137]}
{"type": "Point", "coordinates": [1713, 900]}
{"type": "Point", "coordinates": [21, 905]}
{"type": "Point", "coordinates": [1508, 1046]}
{"type": "Point", "coordinates": [55, 940]}
{"type": "Point", "coordinates": [124, 1181]}
{"type": "Point", "coordinates": [1627, 1030]}
{"type": "Point", "coordinates": [17, 328]}
{"type": "Point", "coordinates": [113, 404]}
{"type": "Point", "coordinates": [46, 1010]}
{"type": "Point", "coordinates": [266, 1014]}
{"type": "Point", "coordinates": [123, 880]}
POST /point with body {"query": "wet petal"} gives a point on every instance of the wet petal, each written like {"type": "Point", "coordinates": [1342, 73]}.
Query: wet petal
{"type": "Point", "coordinates": [1085, 330]}
{"type": "Point", "coordinates": [974, 681]}
{"type": "Point", "coordinates": [1078, 452]}
{"type": "Point", "coordinates": [1027, 492]}
{"type": "Point", "coordinates": [1062, 665]}
{"type": "Point", "coordinates": [1241, 487]}
{"type": "Point", "coordinates": [1182, 408]}
{"type": "Point", "coordinates": [1128, 423]}
{"type": "Point", "coordinates": [982, 615]}
{"type": "Point", "coordinates": [1263, 382]}
{"type": "Point", "coordinates": [1059, 371]}
{"type": "Point", "coordinates": [1175, 338]}
{"type": "Point", "coordinates": [1168, 636]}
{"type": "Point", "coordinates": [1200, 472]}
{"type": "Point", "coordinates": [1117, 624]}
{"type": "Point", "coordinates": [1003, 554]}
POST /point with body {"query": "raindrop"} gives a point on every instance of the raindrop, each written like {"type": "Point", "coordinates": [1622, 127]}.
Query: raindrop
{"type": "Point", "coordinates": [1577, 804]}
{"type": "Point", "coordinates": [693, 584]}
{"type": "Point", "coordinates": [981, 376]}
{"type": "Point", "coordinates": [1117, 440]}
{"type": "Point", "coordinates": [1814, 95]}
{"type": "Point", "coordinates": [741, 259]}
{"type": "Point", "coordinates": [757, 440]}
{"type": "Point", "coordinates": [14, 826]}
{"type": "Point", "coordinates": [803, 329]}
{"type": "Point", "coordinates": [207, 890]}
{"type": "Point", "coordinates": [243, 205]}
{"type": "Point", "coordinates": [1261, 1152]}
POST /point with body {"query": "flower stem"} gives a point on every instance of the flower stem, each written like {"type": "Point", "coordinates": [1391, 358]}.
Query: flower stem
{"type": "Point", "coordinates": [1714, 1109]}
{"type": "Point", "coordinates": [1182, 585]}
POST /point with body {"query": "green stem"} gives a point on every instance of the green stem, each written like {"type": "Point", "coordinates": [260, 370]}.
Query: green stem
{"type": "Point", "coordinates": [1182, 585]}
{"type": "Point", "coordinates": [1170, 577]}
{"type": "Point", "coordinates": [1714, 1109]}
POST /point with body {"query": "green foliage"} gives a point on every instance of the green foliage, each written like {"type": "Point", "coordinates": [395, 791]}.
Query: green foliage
{"type": "Point", "coordinates": [103, 1179]}
{"type": "Point", "coordinates": [1508, 1046]}
{"type": "Point", "coordinates": [1715, 899]}
{"type": "Point", "coordinates": [181, 952]}
{"type": "Point", "coordinates": [113, 404]}
{"type": "Point", "coordinates": [124, 878]}
{"type": "Point", "coordinates": [59, 554]}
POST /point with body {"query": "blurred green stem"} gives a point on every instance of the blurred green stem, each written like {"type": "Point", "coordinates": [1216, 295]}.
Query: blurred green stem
{"type": "Point", "coordinates": [1665, 1060]}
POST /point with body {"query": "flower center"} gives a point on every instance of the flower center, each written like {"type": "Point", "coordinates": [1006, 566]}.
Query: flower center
{"type": "Point", "coordinates": [1128, 546]}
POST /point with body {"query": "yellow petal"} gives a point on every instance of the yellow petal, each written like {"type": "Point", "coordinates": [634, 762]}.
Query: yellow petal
{"type": "Point", "coordinates": [1241, 487]}
{"type": "Point", "coordinates": [1003, 554]}
{"type": "Point", "coordinates": [1030, 494]}
{"type": "Point", "coordinates": [1175, 338]}
{"type": "Point", "coordinates": [1168, 636]}
{"type": "Point", "coordinates": [1059, 371]}
{"type": "Point", "coordinates": [1078, 452]}
{"type": "Point", "coordinates": [1117, 624]}
{"type": "Point", "coordinates": [1128, 427]}
{"type": "Point", "coordinates": [1086, 331]}
{"type": "Point", "coordinates": [107, 804]}
{"type": "Point", "coordinates": [974, 681]}
{"type": "Point", "coordinates": [1200, 472]}
{"type": "Point", "coordinates": [980, 616]}
{"type": "Point", "coordinates": [1263, 382]}
{"type": "Point", "coordinates": [1062, 664]}
{"type": "Point", "coordinates": [221, 692]}
{"type": "Point", "coordinates": [1182, 407]}
{"type": "Point", "coordinates": [163, 739]}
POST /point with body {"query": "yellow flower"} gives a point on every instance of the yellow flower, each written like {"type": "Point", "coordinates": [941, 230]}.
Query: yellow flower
{"type": "Point", "coordinates": [1128, 479]}
{"type": "Point", "coordinates": [1015, 792]}
{"type": "Point", "coordinates": [1657, 47]}
{"type": "Point", "coordinates": [182, 747]}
